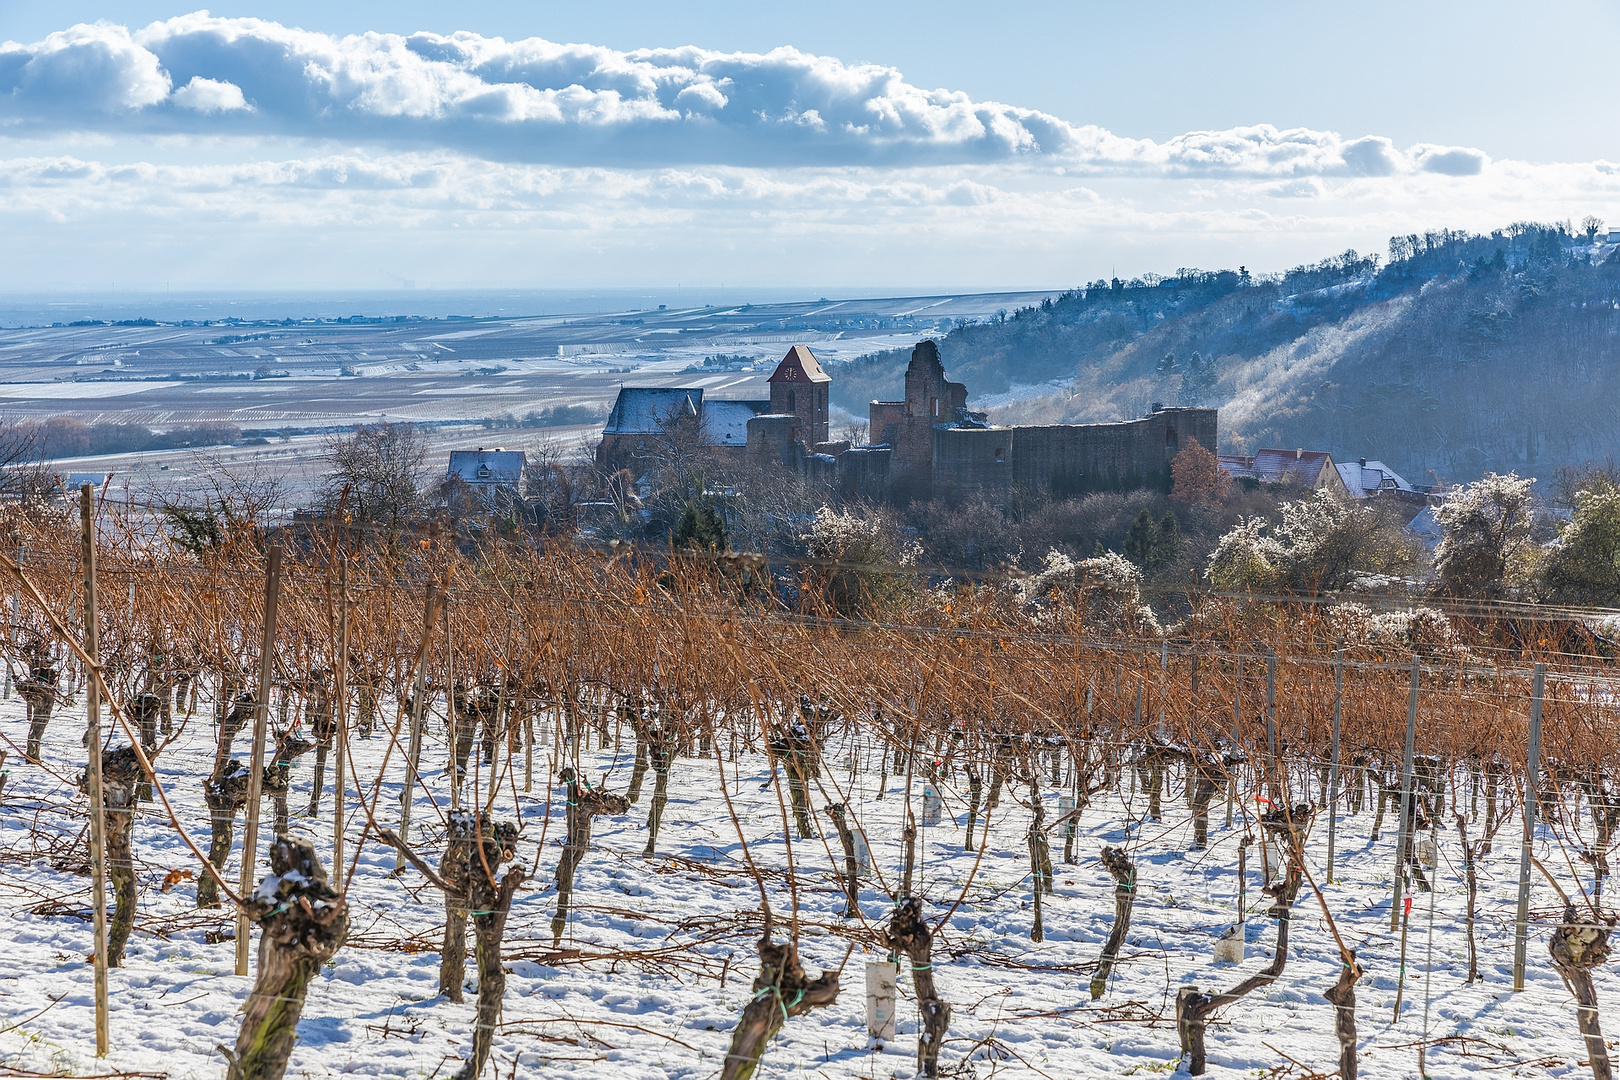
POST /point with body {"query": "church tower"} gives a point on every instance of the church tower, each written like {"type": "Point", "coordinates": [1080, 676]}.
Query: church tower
{"type": "Point", "coordinates": [800, 388]}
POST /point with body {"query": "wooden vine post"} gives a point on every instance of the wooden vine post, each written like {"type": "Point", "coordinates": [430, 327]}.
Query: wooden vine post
{"type": "Point", "coordinates": [1333, 767]}
{"type": "Point", "coordinates": [342, 705]}
{"type": "Point", "coordinates": [261, 720]}
{"type": "Point", "coordinates": [1532, 778]}
{"type": "Point", "coordinates": [92, 738]}
{"type": "Point", "coordinates": [413, 757]}
{"type": "Point", "coordinates": [1405, 831]}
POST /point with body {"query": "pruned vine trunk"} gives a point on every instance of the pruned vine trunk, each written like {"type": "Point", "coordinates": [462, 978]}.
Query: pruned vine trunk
{"type": "Point", "coordinates": [491, 902]}
{"type": "Point", "coordinates": [302, 924]}
{"type": "Point", "coordinates": [323, 728]}
{"type": "Point", "coordinates": [659, 752]}
{"type": "Point", "coordinates": [584, 803]}
{"type": "Point", "coordinates": [781, 992]}
{"type": "Point", "coordinates": [39, 693]}
{"type": "Point", "coordinates": [121, 774]}
{"type": "Point", "coordinates": [1123, 871]}
{"type": "Point", "coordinates": [226, 794]}
{"type": "Point", "coordinates": [1288, 826]}
{"type": "Point", "coordinates": [850, 878]}
{"type": "Point", "coordinates": [908, 935]}
{"type": "Point", "coordinates": [975, 793]}
{"type": "Point", "coordinates": [1342, 996]}
{"type": "Point", "coordinates": [461, 829]}
{"type": "Point", "coordinates": [229, 725]}
{"type": "Point", "coordinates": [278, 774]}
{"type": "Point", "coordinates": [1577, 947]}
{"type": "Point", "coordinates": [1471, 879]}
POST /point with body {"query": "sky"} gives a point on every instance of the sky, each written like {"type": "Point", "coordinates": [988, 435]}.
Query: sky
{"type": "Point", "coordinates": [285, 144]}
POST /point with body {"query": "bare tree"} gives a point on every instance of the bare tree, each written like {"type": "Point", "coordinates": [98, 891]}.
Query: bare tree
{"type": "Point", "coordinates": [226, 501]}
{"type": "Point", "coordinates": [376, 474]}
{"type": "Point", "coordinates": [23, 473]}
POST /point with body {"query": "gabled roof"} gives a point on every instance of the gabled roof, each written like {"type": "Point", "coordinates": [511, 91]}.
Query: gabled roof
{"type": "Point", "coordinates": [487, 466]}
{"type": "Point", "coordinates": [1301, 466]}
{"type": "Point", "coordinates": [643, 410]}
{"type": "Point", "coordinates": [725, 423]}
{"type": "Point", "coordinates": [799, 365]}
{"type": "Point", "coordinates": [1365, 477]}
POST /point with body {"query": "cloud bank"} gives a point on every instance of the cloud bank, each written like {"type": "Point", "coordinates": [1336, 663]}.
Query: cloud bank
{"type": "Point", "coordinates": [536, 101]}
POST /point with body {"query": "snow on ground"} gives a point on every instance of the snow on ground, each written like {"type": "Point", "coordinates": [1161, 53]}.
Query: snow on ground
{"type": "Point", "coordinates": [679, 930]}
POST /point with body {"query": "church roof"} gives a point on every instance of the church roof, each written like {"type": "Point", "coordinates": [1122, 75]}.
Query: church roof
{"type": "Point", "coordinates": [800, 365]}
{"type": "Point", "coordinates": [644, 410]}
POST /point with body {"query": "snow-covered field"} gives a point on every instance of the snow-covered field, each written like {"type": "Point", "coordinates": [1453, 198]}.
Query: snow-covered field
{"type": "Point", "coordinates": [665, 945]}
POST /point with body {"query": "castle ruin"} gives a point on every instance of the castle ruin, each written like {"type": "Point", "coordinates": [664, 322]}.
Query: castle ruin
{"type": "Point", "coordinates": [928, 446]}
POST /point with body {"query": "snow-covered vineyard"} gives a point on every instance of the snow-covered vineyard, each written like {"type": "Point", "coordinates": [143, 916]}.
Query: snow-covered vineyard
{"type": "Point", "coordinates": [657, 956]}
{"type": "Point", "coordinates": [719, 840]}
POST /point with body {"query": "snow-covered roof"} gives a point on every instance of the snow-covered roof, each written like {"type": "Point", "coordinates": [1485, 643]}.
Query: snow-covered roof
{"type": "Point", "coordinates": [643, 410]}
{"type": "Point", "coordinates": [1301, 466]}
{"type": "Point", "coordinates": [482, 466]}
{"type": "Point", "coordinates": [725, 423]}
{"type": "Point", "coordinates": [1364, 477]}
{"type": "Point", "coordinates": [1426, 527]}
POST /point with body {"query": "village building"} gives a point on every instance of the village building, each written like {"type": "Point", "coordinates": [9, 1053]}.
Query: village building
{"type": "Point", "coordinates": [1303, 468]}
{"type": "Point", "coordinates": [485, 470]}
{"type": "Point", "coordinates": [927, 445]}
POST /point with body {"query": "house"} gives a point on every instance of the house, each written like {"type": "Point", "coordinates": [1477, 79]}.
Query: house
{"type": "Point", "coordinates": [1307, 468]}
{"type": "Point", "coordinates": [485, 470]}
{"type": "Point", "coordinates": [1426, 528]}
{"type": "Point", "coordinates": [1363, 479]}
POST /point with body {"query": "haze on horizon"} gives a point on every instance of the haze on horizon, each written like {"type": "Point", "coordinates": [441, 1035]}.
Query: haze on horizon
{"type": "Point", "coordinates": [288, 145]}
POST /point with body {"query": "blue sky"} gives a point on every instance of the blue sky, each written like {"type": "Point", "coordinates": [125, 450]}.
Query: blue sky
{"type": "Point", "coordinates": [301, 145]}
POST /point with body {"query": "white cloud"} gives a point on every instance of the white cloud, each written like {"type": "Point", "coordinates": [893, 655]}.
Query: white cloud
{"type": "Point", "coordinates": [210, 96]}
{"type": "Point", "coordinates": [209, 148]}
{"type": "Point", "coordinates": [1449, 160]}
{"type": "Point", "coordinates": [542, 102]}
{"type": "Point", "coordinates": [94, 74]}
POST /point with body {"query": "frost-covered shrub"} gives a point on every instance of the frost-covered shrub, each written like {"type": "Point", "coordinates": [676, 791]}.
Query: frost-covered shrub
{"type": "Point", "coordinates": [1485, 544]}
{"type": "Point", "coordinates": [1421, 630]}
{"type": "Point", "coordinates": [1321, 543]}
{"type": "Point", "coordinates": [859, 562]}
{"type": "Point", "coordinates": [1110, 585]}
{"type": "Point", "coordinates": [1583, 567]}
{"type": "Point", "coordinates": [1246, 559]}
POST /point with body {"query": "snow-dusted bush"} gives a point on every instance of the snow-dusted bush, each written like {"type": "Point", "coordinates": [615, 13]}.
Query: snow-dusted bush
{"type": "Point", "coordinates": [1584, 565]}
{"type": "Point", "coordinates": [1321, 543]}
{"type": "Point", "coordinates": [860, 562]}
{"type": "Point", "coordinates": [1110, 586]}
{"type": "Point", "coordinates": [1485, 544]}
{"type": "Point", "coordinates": [1246, 559]}
{"type": "Point", "coordinates": [1421, 630]}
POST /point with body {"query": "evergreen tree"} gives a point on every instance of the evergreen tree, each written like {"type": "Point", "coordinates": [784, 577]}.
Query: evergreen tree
{"type": "Point", "coordinates": [701, 527]}
{"type": "Point", "coordinates": [1141, 539]}
{"type": "Point", "coordinates": [1149, 543]}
